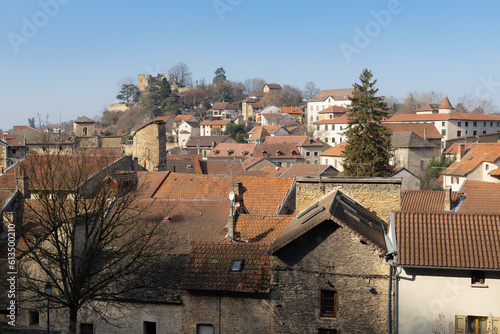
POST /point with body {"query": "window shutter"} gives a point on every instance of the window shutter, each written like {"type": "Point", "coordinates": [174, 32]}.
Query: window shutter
{"type": "Point", "coordinates": [460, 324]}
{"type": "Point", "coordinates": [495, 325]}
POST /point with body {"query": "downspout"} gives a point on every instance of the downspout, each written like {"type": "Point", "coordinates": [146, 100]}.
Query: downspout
{"type": "Point", "coordinates": [389, 301]}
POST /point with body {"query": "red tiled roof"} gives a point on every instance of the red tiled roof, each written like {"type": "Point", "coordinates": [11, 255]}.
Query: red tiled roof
{"type": "Point", "coordinates": [429, 107]}
{"type": "Point", "coordinates": [273, 171]}
{"type": "Point", "coordinates": [252, 161]}
{"type": "Point", "coordinates": [269, 128]}
{"type": "Point", "coordinates": [337, 94]}
{"type": "Point", "coordinates": [209, 268]}
{"type": "Point", "coordinates": [342, 119]}
{"type": "Point", "coordinates": [180, 118]}
{"type": "Point", "coordinates": [300, 169]}
{"type": "Point", "coordinates": [455, 148]}
{"type": "Point", "coordinates": [163, 118]}
{"type": "Point", "coordinates": [446, 104]}
{"type": "Point", "coordinates": [417, 128]}
{"type": "Point", "coordinates": [259, 134]}
{"type": "Point", "coordinates": [441, 117]}
{"type": "Point", "coordinates": [291, 110]}
{"type": "Point", "coordinates": [428, 201]}
{"type": "Point", "coordinates": [273, 86]}
{"type": "Point", "coordinates": [224, 106]}
{"type": "Point", "coordinates": [179, 186]}
{"type": "Point", "coordinates": [299, 141]}
{"type": "Point", "coordinates": [335, 151]}
{"type": "Point", "coordinates": [477, 154]}
{"type": "Point", "coordinates": [215, 122]}
{"type": "Point", "coordinates": [232, 150]}
{"type": "Point", "coordinates": [448, 240]}
{"type": "Point", "coordinates": [481, 198]}
{"type": "Point", "coordinates": [260, 228]}
{"type": "Point", "coordinates": [333, 109]}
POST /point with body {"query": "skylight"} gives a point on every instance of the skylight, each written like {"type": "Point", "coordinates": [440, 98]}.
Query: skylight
{"type": "Point", "coordinates": [237, 265]}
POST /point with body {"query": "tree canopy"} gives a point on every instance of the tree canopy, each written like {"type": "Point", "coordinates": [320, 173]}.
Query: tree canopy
{"type": "Point", "coordinates": [160, 99]}
{"type": "Point", "coordinates": [369, 150]}
{"type": "Point", "coordinates": [181, 74]}
{"type": "Point", "coordinates": [238, 131]}
{"type": "Point", "coordinates": [128, 93]}
{"type": "Point", "coordinates": [220, 76]}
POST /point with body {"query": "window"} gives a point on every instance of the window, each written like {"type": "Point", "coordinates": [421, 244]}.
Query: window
{"type": "Point", "coordinates": [149, 327]}
{"type": "Point", "coordinates": [486, 167]}
{"type": "Point", "coordinates": [477, 277]}
{"type": "Point", "coordinates": [308, 154]}
{"type": "Point", "coordinates": [86, 329]}
{"type": "Point", "coordinates": [328, 303]}
{"type": "Point", "coordinates": [13, 151]}
{"type": "Point", "coordinates": [443, 132]}
{"type": "Point", "coordinates": [204, 329]}
{"type": "Point", "coordinates": [484, 123]}
{"type": "Point", "coordinates": [341, 127]}
{"type": "Point", "coordinates": [484, 132]}
{"type": "Point", "coordinates": [474, 133]}
{"type": "Point", "coordinates": [474, 124]}
{"type": "Point", "coordinates": [327, 331]}
{"type": "Point", "coordinates": [459, 123]}
{"type": "Point", "coordinates": [491, 123]}
{"type": "Point", "coordinates": [466, 123]}
{"type": "Point", "coordinates": [331, 116]}
{"type": "Point", "coordinates": [476, 324]}
{"type": "Point", "coordinates": [443, 123]}
{"type": "Point", "coordinates": [85, 131]}
{"type": "Point", "coordinates": [237, 265]}
{"type": "Point", "coordinates": [317, 118]}
{"type": "Point", "coordinates": [33, 318]}
{"type": "Point", "coordinates": [326, 140]}
{"type": "Point", "coordinates": [459, 133]}
{"type": "Point", "coordinates": [316, 154]}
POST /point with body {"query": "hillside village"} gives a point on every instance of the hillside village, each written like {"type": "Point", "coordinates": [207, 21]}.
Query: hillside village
{"type": "Point", "coordinates": [263, 228]}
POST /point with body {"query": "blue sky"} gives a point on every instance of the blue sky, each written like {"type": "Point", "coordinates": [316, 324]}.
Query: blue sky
{"type": "Point", "coordinates": [78, 51]}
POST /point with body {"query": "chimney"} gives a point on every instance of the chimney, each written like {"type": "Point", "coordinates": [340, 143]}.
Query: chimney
{"type": "Point", "coordinates": [425, 133]}
{"type": "Point", "coordinates": [22, 186]}
{"type": "Point", "coordinates": [447, 200]}
{"type": "Point", "coordinates": [461, 151]}
{"type": "Point", "coordinates": [230, 225]}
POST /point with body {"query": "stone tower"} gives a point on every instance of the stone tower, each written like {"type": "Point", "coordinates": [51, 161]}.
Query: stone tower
{"type": "Point", "coordinates": [84, 127]}
{"type": "Point", "coordinates": [150, 142]}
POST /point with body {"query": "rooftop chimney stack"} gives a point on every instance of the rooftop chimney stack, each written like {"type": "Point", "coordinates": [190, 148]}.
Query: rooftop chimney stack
{"type": "Point", "coordinates": [461, 151]}
{"type": "Point", "coordinates": [22, 185]}
{"type": "Point", "coordinates": [447, 200]}
{"type": "Point", "coordinates": [425, 133]}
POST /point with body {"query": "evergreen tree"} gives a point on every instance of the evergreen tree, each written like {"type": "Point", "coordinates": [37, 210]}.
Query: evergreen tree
{"type": "Point", "coordinates": [128, 93]}
{"type": "Point", "coordinates": [369, 150]}
{"type": "Point", "coordinates": [160, 99]}
{"type": "Point", "coordinates": [220, 76]}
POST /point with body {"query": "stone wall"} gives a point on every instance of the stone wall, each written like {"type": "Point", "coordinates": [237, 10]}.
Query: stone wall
{"type": "Point", "coordinates": [329, 258]}
{"type": "Point", "coordinates": [110, 141]}
{"type": "Point", "coordinates": [377, 194]}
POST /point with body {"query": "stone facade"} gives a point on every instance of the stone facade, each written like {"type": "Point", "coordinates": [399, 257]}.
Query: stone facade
{"type": "Point", "coordinates": [377, 194]}
{"type": "Point", "coordinates": [329, 258]}
{"type": "Point", "coordinates": [149, 146]}
{"type": "Point", "coordinates": [144, 80]}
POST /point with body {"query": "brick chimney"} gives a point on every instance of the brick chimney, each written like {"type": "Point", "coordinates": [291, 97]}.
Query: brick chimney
{"type": "Point", "coordinates": [447, 200]}
{"type": "Point", "coordinates": [22, 186]}
{"type": "Point", "coordinates": [425, 133]}
{"type": "Point", "coordinates": [461, 151]}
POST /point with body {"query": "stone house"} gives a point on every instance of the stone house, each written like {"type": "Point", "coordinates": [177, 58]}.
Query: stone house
{"type": "Point", "coordinates": [310, 149]}
{"type": "Point", "coordinates": [225, 110]}
{"type": "Point", "coordinates": [249, 109]}
{"type": "Point", "coordinates": [168, 123]}
{"type": "Point", "coordinates": [412, 152]}
{"type": "Point", "coordinates": [149, 146]}
{"type": "Point", "coordinates": [409, 180]}
{"type": "Point", "coordinates": [204, 144]}
{"type": "Point", "coordinates": [176, 122]}
{"type": "Point", "coordinates": [256, 132]}
{"type": "Point", "coordinates": [271, 88]}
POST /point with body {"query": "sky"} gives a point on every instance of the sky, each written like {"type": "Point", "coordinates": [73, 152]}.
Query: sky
{"type": "Point", "coordinates": [63, 59]}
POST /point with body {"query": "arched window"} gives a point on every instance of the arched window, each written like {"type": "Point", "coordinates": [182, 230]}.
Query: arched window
{"type": "Point", "coordinates": [85, 131]}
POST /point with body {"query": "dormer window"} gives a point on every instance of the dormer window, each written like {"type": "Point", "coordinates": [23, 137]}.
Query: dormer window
{"type": "Point", "coordinates": [237, 265]}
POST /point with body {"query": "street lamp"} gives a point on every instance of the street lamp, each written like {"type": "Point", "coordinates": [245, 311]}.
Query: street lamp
{"type": "Point", "coordinates": [48, 292]}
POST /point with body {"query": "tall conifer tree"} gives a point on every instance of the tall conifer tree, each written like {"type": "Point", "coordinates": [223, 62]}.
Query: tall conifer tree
{"type": "Point", "coordinates": [369, 150]}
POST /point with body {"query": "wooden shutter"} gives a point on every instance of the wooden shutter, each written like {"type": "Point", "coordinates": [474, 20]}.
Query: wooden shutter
{"type": "Point", "coordinates": [495, 325]}
{"type": "Point", "coordinates": [460, 326]}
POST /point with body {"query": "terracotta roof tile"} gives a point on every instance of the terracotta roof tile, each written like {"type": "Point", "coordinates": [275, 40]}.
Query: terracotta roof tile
{"type": "Point", "coordinates": [428, 201]}
{"type": "Point", "coordinates": [209, 268]}
{"type": "Point", "coordinates": [337, 94]}
{"type": "Point", "coordinates": [180, 118]}
{"type": "Point", "coordinates": [215, 122]}
{"type": "Point", "coordinates": [441, 117]}
{"type": "Point", "coordinates": [334, 110]}
{"type": "Point", "coordinates": [455, 148]}
{"type": "Point", "coordinates": [312, 170]}
{"type": "Point", "coordinates": [481, 198]}
{"type": "Point", "coordinates": [335, 151]}
{"type": "Point", "coordinates": [342, 119]}
{"type": "Point", "coordinates": [429, 107]}
{"type": "Point", "coordinates": [291, 110]}
{"type": "Point", "coordinates": [207, 187]}
{"type": "Point", "coordinates": [299, 141]}
{"type": "Point", "coordinates": [448, 240]}
{"type": "Point", "coordinates": [417, 128]}
{"type": "Point", "coordinates": [446, 104]}
{"type": "Point", "coordinates": [475, 156]}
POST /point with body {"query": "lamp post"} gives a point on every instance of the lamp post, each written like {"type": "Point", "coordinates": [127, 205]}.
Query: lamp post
{"type": "Point", "coordinates": [48, 292]}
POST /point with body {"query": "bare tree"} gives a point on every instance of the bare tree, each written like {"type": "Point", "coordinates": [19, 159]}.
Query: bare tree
{"type": "Point", "coordinates": [289, 96]}
{"type": "Point", "coordinates": [311, 90]}
{"type": "Point", "coordinates": [415, 100]}
{"type": "Point", "coordinates": [474, 104]}
{"type": "Point", "coordinates": [253, 85]}
{"type": "Point", "coordinates": [181, 74]}
{"type": "Point", "coordinates": [80, 233]}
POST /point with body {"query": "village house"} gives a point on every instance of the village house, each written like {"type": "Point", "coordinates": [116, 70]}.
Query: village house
{"type": "Point", "coordinates": [186, 130]}
{"type": "Point", "coordinates": [258, 133]}
{"type": "Point", "coordinates": [213, 127]}
{"type": "Point", "coordinates": [326, 99]}
{"type": "Point", "coordinates": [225, 111]}
{"type": "Point", "coordinates": [204, 144]}
{"type": "Point", "coordinates": [480, 162]}
{"type": "Point", "coordinates": [249, 109]}
{"type": "Point", "coordinates": [310, 149]}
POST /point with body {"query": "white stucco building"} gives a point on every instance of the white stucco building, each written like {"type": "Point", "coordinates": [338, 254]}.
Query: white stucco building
{"type": "Point", "coordinates": [326, 99]}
